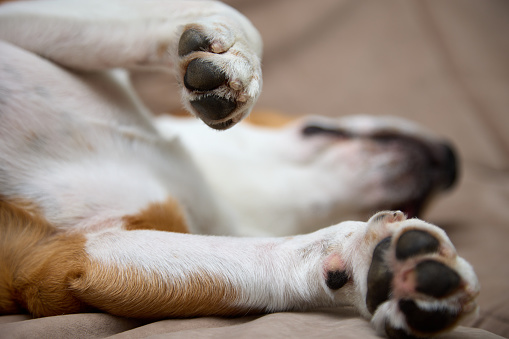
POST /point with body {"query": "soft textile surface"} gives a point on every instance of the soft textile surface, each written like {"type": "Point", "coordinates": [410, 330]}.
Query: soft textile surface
{"type": "Point", "coordinates": [342, 324]}
{"type": "Point", "coordinates": [444, 64]}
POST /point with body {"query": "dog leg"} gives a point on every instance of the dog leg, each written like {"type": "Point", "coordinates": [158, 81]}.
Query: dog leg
{"type": "Point", "coordinates": [403, 274]}
{"type": "Point", "coordinates": [213, 50]}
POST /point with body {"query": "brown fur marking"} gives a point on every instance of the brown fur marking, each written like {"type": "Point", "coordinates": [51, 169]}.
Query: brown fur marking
{"type": "Point", "coordinates": [132, 292]}
{"type": "Point", "coordinates": [263, 118]}
{"type": "Point", "coordinates": [37, 264]}
{"type": "Point", "coordinates": [49, 273]}
{"type": "Point", "coordinates": [269, 119]}
{"type": "Point", "coordinates": [166, 216]}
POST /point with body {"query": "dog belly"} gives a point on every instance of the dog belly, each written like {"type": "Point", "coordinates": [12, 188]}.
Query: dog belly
{"type": "Point", "coordinates": [81, 148]}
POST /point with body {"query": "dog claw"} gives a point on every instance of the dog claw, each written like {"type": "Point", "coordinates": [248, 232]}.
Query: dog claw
{"type": "Point", "coordinates": [236, 85]}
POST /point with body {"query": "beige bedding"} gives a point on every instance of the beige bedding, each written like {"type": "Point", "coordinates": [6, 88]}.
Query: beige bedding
{"type": "Point", "coordinates": [444, 64]}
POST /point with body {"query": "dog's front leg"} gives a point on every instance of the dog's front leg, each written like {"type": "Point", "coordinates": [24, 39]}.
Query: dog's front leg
{"type": "Point", "coordinates": [154, 274]}
{"type": "Point", "coordinates": [151, 274]}
{"type": "Point", "coordinates": [403, 274]}
{"type": "Point", "coordinates": [213, 50]}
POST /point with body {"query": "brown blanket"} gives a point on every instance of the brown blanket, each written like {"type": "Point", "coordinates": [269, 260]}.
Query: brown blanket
{"type": "Point", "coordinates": [444, 64]}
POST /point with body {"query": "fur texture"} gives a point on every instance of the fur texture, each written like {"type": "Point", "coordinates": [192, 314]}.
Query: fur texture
{"type": "Point", "coordinates": [102, 205]}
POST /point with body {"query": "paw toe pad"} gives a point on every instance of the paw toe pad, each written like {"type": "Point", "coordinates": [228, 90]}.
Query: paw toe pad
{"type": "Point", "coordinates": [203, 76]}
{"type": "Point", "coordinates": [436, 279]}
{"type": "Point", "coordinates": [192, 40]}
{"type": "Point", "coordinates": [397, 333]}
{"type": "Point", "coordinates": [213, 107]}
{"type": "Point", "coordinates": [415, 242]}
{"type": "Point", "coordinates": [379, 277]}
{"type": "Point", "coordinates": [425, 321]}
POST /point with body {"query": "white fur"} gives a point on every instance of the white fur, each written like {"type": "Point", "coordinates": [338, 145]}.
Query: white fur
{"type": "Point", "coordinates": [279, 182]}
{"type": "Point", "coordinates": [83, 148]}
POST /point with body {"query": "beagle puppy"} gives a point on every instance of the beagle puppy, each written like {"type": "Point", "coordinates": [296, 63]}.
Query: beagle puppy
{"type": "Point", "coordinates": [104, 207]}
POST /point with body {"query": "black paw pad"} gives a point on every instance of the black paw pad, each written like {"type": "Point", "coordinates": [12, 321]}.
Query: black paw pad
{"type": "Point", "coordinates": [192, 40]}
{"type": "Point", "coordinates": [336, 279]}
{"type": "Point", "coordinates": [214, 108]}
{"type": "Point", "coordinates": [202, 75]}
{"type": "Point", "coordinates": [436, 279]}
{"type": "Point", "coordinates": [379, 277]}
{"type": "Point", "coordinates": [424, 321]}
{"type": "Point", "coordinates": [415, 242]}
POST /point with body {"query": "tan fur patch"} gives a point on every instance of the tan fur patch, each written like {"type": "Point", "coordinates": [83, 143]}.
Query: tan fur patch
{"type": "Point", "coordinates": [264, 118]}
{"type": "Point", "coordinates": [19, 232]}
{"type": "Point", "coordinates": [166, 216]}
{"type": "Point", "coordinates": [49, 273]}
{"type": "Point", "coordinates": [372, 236]}
{"type": "Point", "coordinates": [182, 114]}
{"type": "Point", "coordinates": [44, 283]}
{"type": "Point", "coordinates": [269, 119]}
{"type": "Point", "coordinates": [36, 264]}
{"type": "Point", "coordinates": [132, 292]}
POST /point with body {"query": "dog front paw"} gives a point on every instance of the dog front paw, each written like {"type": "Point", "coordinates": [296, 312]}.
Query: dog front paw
{"type": "Point", "coordinates": [417, 286]}
{"type": "Point", "coordinates": [220, 72]}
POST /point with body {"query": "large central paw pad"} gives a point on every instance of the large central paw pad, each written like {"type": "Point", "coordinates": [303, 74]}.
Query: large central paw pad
{"type": "Point", "coordinates": [221, 74]}
{"type": "Point", "coordinates": [417, 285]}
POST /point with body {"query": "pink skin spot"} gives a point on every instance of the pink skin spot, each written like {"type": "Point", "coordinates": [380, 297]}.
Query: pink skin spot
{"type": "Point", "coordinates": [334, 263]}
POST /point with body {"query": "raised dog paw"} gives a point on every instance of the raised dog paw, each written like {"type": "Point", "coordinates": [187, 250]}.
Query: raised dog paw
{"type": "Point", "coordinates": [220, 72]}
{"type": "Point", "coordinates": [417, 286]}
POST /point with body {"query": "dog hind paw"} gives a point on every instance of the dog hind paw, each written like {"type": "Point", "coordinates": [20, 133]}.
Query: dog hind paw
{"type": "Point", "coordinates": [220, 73]}
{"type": "Point", "coordinates": [417, 285]}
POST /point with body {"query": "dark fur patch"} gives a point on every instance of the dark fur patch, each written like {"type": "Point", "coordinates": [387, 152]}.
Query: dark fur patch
{"type": "Point", "coordinates": [336, 279]}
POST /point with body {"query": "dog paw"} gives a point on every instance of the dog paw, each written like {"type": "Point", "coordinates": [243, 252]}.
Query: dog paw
{"type": "Point", "coordinates": [220, 73]}
{"type": "Point", "coordinates": [417, 286]}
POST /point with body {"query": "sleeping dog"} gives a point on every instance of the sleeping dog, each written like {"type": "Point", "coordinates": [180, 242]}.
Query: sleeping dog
{"type": "Point", "coordinates": [104, 207]}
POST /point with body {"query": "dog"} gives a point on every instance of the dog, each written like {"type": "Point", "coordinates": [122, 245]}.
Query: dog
{"type": "Point", "coordinates": [105, 207]}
